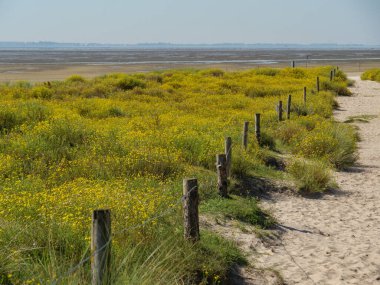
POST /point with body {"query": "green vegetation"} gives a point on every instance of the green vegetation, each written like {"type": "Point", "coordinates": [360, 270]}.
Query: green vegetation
{"type": "Point", "coordinates": [371, 74]}
{"type": "Point", "coordinates": [125, 142]}
{"type": "Point", "coordinates": [360, 119]}
{"type": "Point", "coordinates": [243, 209]}
{"type": "Point", "coordinates": [312, 176]}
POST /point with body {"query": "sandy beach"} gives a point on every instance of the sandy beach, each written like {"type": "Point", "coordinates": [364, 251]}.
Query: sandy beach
{"type": "Point", "coordinates": [334, 239]}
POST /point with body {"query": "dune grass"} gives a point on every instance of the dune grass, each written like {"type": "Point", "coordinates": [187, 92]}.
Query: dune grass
{"type": "Point", "coordinates": [371, 74]}
{"type": "Point", "coordinates": [125, 142]}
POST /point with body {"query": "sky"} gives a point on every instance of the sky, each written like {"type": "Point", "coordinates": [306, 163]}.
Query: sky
{"type": "Point", "coordinates": [191, 21]}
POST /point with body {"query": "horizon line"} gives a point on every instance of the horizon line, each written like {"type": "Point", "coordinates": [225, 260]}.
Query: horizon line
{"type": "Point", "coordinates": [186, 44]}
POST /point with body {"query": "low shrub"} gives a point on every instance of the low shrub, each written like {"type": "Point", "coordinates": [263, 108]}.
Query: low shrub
{"type": "Point", "coordinates": [8, 119]}
{"type": "Point", "coordinates": [311, 176]}
{"type": "Point", "coordinates": [339, 87]}
{"type": "Point", "coordinates": [76, 78]}
{"type": "Point", "coordinates": [300, 109]}
{"type": "Point", "coordinates": [130, 83]}
{"type": "Point", "coordinates": [289, 130]}
{"type": "Point", "coordinates": [116, 112]}
{"type": "Point", "coordinates": [332, 142]}
{"type": "Point", "coordinates": [371, 74]}
{"type": "Point", "coordinates": [41, 92]}
{"type": "Point", "coordinates": [340, 75]}
{"type": "Point", "coordinates": [293, 72]}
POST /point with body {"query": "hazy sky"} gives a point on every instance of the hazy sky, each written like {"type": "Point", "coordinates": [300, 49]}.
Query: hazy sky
{"type": "Point", "coordinates": [191, 21]}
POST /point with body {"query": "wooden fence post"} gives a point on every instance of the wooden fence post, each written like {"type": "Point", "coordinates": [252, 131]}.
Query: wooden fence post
{"type": "Point", "coordinates": [101, 247]}
{"type": "Point", "coordinates": [293, 64]}
{"type": "Point", "coordinates": [257, 128]}
{"type": "Point", "coordinates": [317, 83]}
{"type": "Point", "coordinates": [304, 95]}
{"type": "Point", "coordinates": [222, 174]}
{"type": "Point", "coordinates": [331, 75]}
{"type": "Point", "coordinates": [288, 107]}
{"type": "Point", "coordinates": [245, 135]}
{"type": "Point", "coordinates": [228, 151]}
{"type": "Point", "coordinates": [190, 209]}
{"type": "Point", "coordinates": [280, 111]}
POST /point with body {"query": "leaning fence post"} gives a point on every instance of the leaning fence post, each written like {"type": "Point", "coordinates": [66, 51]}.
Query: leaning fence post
{"type": "Point", "coordinates": [245, 135]}
{"type": "Point", "coordinates": [190, 209]}
{"type": "Point", "coordinates": [331, 75]}
{"type": "Point", "coordinates": [304, 95]}
{"type": "Point", "coordinates": [257, 128]}
{"type": "Point", "coordinates": [317, 83]}
{"type": "Point", "coordinates": [288, 107]}
{"type": "Point", "coordinates": [222, 174]}
{"type": "Point", "coordinates": [101, 247]}
{"type": "Point", "coordinates": [280, 110]}
{"type": "Point", "coordinates": [228, 152]}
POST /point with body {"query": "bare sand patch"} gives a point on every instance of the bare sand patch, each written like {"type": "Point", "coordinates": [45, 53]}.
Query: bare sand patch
{"type": "Point", "coordinates": [335, 239]}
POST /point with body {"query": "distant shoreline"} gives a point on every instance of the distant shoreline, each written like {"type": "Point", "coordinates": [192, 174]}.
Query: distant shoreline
{"type": "Point", "coordinates": [57, 64]}
{"type": "Point", "coordinates": [218, 46]}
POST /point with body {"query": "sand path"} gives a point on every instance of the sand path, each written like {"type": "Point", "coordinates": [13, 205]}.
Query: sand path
{"type": "Point", "coordinates": [335, 239]}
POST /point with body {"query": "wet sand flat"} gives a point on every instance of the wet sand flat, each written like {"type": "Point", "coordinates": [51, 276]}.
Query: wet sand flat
{"type": "Point", "coordinates": [52, 64]}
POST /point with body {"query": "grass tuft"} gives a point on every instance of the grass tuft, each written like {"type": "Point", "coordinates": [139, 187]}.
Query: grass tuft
{"type": "Point", "coordinates": [242, 209]}
{"type": "Point", "coordinates": [311, 176]}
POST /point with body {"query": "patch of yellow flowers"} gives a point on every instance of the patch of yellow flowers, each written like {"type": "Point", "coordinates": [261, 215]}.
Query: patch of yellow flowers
{"type": "Point", "coordinates": [118, 141]}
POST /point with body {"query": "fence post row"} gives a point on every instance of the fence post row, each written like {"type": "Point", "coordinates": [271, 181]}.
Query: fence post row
{"type": "Point", "coordinates": [280, 110]}
{"type": "Point", "coordinates": [101, 247]}
{"type": "Point", "coordinates": [222, 175]}
{"type": "Point", "coordinates": [190, 209]}
{"type": "Point", "coordinates": [317, 83]}
{"type": "Point", "coordinates": [304, 95]}
{"type": "Point", "coordinates": [228, 152]}
{"type": "Point", "coordinates": [101, 219]}
{"type": "Point", "coordinates": [245, 135]}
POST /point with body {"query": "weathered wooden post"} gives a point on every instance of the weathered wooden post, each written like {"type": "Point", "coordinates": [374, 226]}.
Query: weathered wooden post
{"type": "Point", "coordinates": [190, 209]}
{"type": "Point", "coordinates": [101, 247]}
{"type": "Point", "coordinates": [304, 95]}
{"type": "Point", "coordinates": [228, 152]}
{"type": "Point", "coordinates": [288, 107]}
{"type": "Point", "coordinates": [317, 83]}
{"type": "Point", "coordinates": [334, 72]}
{"type": "Point", "coordinates": [293, 64]}
{"type": "Point", "coordinates": [245, 135]}
{"type": "Point", "coordinates": [280, 111]}
{"type": "Point", "coordinates": [257, 128]}
{"type": "Point", "coordinates": [222, 174]}
{"type": "Point", "coordinates": [331, 75]}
